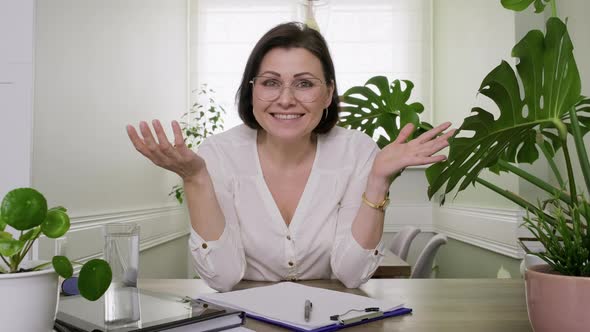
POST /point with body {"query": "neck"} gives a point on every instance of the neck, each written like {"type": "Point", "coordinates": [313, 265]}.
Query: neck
{"type": "Point", "coordinates": [286, 153]}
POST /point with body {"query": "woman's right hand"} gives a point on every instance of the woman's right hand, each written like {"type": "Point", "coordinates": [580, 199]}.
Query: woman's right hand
{"type": "Point", "coordinates": [177, 158]}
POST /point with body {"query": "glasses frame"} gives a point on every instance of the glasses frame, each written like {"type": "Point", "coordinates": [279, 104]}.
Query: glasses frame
{"type": "Point", "coordinates": [289, 86]}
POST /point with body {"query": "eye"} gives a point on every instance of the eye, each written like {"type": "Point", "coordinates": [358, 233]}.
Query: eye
{"type": "Point", "coordinates": [270, 82]}
{"type": "Point", "coordinates": [304, 84]}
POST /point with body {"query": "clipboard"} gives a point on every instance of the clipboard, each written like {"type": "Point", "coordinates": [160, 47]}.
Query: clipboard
{"type": "Point", "coordinates": [335, 326]}
{"type": "Point", "coordinates": [282, 304]}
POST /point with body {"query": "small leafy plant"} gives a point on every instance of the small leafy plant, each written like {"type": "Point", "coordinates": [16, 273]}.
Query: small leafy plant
{"type": "Point", "coordinates": [25, 210]}
{"type": "Point", "coordinates": [204, 119]}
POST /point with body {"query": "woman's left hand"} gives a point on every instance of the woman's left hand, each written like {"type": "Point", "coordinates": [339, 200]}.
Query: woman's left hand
{"type": "Point", "coordinates": [400, 154]}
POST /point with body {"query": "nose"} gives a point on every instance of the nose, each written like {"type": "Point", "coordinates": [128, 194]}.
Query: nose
{"type": "Point", "coordinates": [286, 97]}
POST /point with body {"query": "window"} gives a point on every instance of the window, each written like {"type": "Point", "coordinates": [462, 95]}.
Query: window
{"type": "Point", "coordinates": [366, 38]}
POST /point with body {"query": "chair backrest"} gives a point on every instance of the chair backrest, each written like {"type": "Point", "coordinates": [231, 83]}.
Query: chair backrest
{"type": "Point", "coordinates": [400, 245]}
{"type": "Point", "coordinates": [423, 266]}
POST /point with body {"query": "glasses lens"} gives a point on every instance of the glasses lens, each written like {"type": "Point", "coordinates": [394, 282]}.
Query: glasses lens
{"type": "Point", "coordinates": [305, 90]}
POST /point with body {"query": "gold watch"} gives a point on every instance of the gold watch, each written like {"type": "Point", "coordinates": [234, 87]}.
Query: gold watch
{"type": "Point", "coordinates": [379, 206]}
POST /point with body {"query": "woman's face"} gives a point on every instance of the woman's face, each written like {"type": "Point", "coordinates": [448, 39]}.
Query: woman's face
{"type": "Point", "coordinates": [296, 111]}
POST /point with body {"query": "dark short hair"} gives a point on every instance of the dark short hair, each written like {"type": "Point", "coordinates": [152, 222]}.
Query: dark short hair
{"type": "Point", "coordinates": [288, 35]}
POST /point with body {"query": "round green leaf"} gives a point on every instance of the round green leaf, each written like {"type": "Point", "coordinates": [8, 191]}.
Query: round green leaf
{"type": "Point", "coordinates": [5, 235]}
{"type": "Point", "coordinates": [56, 224]}
{"type": "Point", "coordinates": [9, 247]}
{"type": "Point", "coordinates": [95, 278]}
{"type": "Point", "coordinates": [62, 266]}
{"type": "Point", "coordinates": [23, 208]}
{"type": "Point", "coordinates": [2, 223]}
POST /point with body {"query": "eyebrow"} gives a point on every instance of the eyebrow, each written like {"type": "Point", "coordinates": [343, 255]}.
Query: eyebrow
{"type": "Point", "coordinates": [274, 73]}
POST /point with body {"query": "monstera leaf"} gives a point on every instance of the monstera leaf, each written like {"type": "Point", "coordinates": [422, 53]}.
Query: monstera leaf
{"type": "Point", "coordinates": [551, 87]}
{"type": "Point", "coordinates": [378, 104]}
{"type": "Point", "coordinates": [520, 5]}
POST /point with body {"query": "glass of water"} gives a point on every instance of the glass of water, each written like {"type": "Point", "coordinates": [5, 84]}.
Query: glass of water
{"type": "Point", "coordinates": [121, 251]}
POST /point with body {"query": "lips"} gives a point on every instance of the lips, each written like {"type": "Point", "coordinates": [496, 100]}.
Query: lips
{"type": "Point", "coordinates": [286, 116]}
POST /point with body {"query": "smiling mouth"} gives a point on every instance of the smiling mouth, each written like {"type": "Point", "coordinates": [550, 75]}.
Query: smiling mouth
{"type": "Point", "coordinates": [282, 116]}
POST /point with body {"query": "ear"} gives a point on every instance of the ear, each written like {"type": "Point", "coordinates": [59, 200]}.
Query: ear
{"type": "Point", "coordinates": [330, 94]}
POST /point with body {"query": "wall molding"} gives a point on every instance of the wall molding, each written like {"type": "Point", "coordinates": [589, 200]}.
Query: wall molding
{"type": "Point", "coordinates": [494, 229]}
{"type": "Point", "coordinates": [85, 239]}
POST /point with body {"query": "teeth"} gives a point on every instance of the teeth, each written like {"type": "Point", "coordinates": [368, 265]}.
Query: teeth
{"type": "Point", "coordinates": [287, 116]}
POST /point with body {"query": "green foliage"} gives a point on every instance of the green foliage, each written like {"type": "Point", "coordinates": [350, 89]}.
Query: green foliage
{"type": "Point", "coordinates": [380, 107]}
{"type": "Point", "coordinates": [205, 118]}
{"type": "Point", "coordinates": [25, 209]}
{"type": "Point", "coordinates": [535, 119]}
{"type": "Point", "coordinates": [523, 124]}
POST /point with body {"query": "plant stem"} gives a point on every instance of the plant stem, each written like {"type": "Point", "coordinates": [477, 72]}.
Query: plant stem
{"type": "Point", "coordinates": [553, 166]}
{"type": "Point", "coordinates": [5, 262]}
{"type": "Point", "coordinates": [580, 148]}
{"type": "Point", "coordinates": [570, 173]}
{"type": "Point", "coordinates": [515, 198]}
{"type": "Point", "coordinates": [536, 181]}
{"type": "Point", "coordinates": [553, 8]}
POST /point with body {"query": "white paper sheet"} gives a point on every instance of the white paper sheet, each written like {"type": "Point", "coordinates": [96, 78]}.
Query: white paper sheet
{"type": "Point", "coordinates": [285, 302]}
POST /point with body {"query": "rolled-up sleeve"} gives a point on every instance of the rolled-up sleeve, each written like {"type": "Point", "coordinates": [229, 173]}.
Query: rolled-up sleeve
{"type": "Point", "coordinates": [352, 264]}
{"type": "Point", "coordinates": [221, 263]}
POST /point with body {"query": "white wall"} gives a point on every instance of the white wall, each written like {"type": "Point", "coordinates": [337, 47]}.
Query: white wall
{"type": "Point", "coordinates": [100, 65]}
{"type": "Point", "coordinates": [16, 82]}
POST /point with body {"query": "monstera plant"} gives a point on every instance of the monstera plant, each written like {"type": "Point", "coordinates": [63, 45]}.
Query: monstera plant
{"type": "Point", "coordinates": [381, 105]}
{"type": "Point", "coordinates": [541, 112]}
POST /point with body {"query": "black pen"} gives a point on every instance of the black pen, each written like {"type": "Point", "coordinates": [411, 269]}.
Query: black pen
{"type": "Point", "coordinates": [307, 310]}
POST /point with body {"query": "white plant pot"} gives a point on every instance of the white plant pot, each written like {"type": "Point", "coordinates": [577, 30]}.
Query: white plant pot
{"type": "Point", "coordinates": [28, 301]}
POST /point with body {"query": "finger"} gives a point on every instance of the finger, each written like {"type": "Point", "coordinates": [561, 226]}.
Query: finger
{"type": "Point", "coordinates": [178, 139]}
{"type": "Point", "coordinates": [156, 155]}
{"type": "Point", "coordinates": [427, 136]}
{"type": "Point", "coordinates": [404, 134]}
{"type": "Point", "coordinates": [428, 160]}
{"type": "Point", "coordinates": [136, 140]}
{"type": "Point", "coordinates": [164, 145]}
{"type": "Point", "coordinates": [162, 138]}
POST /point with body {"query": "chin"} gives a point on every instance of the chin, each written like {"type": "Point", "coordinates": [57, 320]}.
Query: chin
{"type": "Point", "coordinates": [289, 130]}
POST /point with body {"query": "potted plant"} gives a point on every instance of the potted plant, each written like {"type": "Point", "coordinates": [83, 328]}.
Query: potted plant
{"type": "Point", "coordinates": [550, 116]}
{"type": "Point", "coordinates": [204, 119]}
{"type": "Point", "coordinates": [29, 286]}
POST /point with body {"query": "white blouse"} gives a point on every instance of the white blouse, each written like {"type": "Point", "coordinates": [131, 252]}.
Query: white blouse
{"type": "Point", "coordinates": [256, 244]}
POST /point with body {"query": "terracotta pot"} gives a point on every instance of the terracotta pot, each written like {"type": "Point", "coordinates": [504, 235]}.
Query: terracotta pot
{"type": "Point", "coordinates": [28, 301]}
{"type": "Point", "coordinates": [556, 302]}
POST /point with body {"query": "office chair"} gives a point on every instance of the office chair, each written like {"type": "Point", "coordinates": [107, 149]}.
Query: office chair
{"type": "Point", "coordinates": [423, 267]}
{"type": "Point", "coordinates": [400, 245]}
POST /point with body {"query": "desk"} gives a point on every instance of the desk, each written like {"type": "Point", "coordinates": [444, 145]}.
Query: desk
{"type": "Point", "coordinates": [441, 305]}
{"type": "Point", "coordinates": [392, 267]}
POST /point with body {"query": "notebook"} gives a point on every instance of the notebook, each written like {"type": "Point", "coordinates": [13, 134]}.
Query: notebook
{"type": "Point", "coordinates": [283, 304]}
{"type": "Point", "coordinates": [157, 312]}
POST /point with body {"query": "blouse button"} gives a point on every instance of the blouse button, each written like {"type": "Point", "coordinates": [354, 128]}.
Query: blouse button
{"type": "Point", "coordinates": [291, 264]}
{"type": "Point", "coordinates": [376, 252]}
{"type": "Point", "coordinates": [289, 237]}
{"type": "Point", "coordinates": [204, 245]}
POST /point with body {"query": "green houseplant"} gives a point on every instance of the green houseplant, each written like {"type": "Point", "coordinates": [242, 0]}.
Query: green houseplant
{"type": "Point", "coordinates": [204, 119]}
{"type": "Point", "coordinates": [546, 116]}
{"type": "Point", "coordinates": [380, 107]}
{"type": "Point", "coordinates": [29, 286]}
{"type": "Point", "coordinates": [25, 210]}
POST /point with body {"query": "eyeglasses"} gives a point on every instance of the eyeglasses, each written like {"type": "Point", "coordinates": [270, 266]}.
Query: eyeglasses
{"type": "Point", "coordinates": [305, 90]}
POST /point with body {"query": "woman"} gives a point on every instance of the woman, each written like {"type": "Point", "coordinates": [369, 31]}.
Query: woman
{"type": "Point", "coordinates": [287, 195]}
